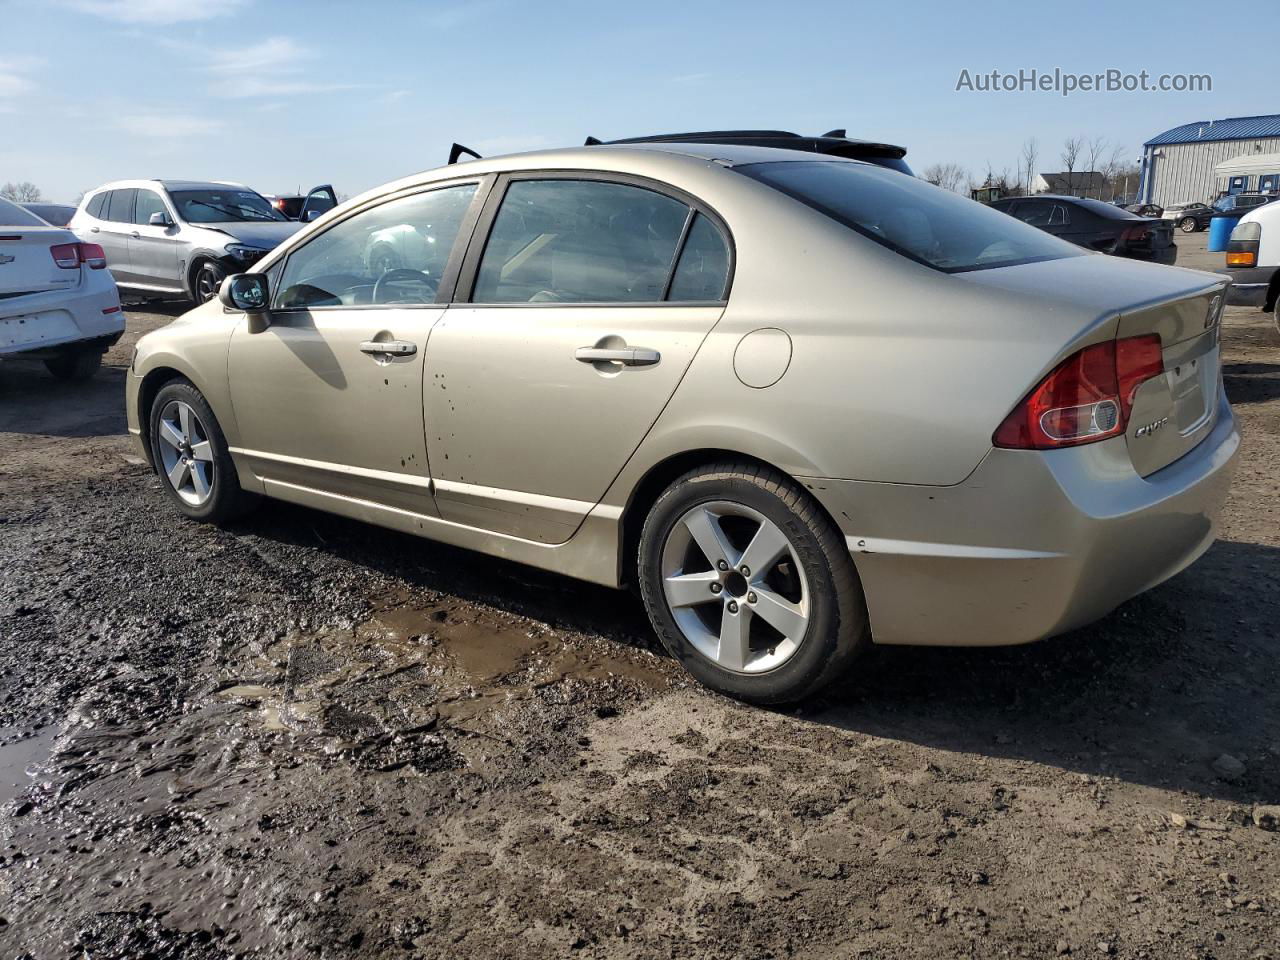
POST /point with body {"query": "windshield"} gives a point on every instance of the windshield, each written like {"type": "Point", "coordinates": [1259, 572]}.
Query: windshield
{"type": "Point", "coordinates": [223, 206]}
{"type": "Point", "coordinates": [925, 223]}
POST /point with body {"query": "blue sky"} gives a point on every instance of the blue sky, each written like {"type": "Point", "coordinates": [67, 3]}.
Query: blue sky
{"type": "Point", "coordinates": [284, 94]}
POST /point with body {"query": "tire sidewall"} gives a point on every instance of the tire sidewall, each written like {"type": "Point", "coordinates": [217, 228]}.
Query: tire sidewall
{"type": "Point", "coordinates": [226, 485]}
{"type": "Point", "coordinates": [1187, 225]}
{"type": "Point", "coordinates": [804, 670]}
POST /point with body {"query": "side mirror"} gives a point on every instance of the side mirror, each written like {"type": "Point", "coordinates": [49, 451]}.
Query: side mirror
{"type": "Point", "coordinates": [247, 293]}
{"type": "Point", "coordinates": [159, 219]}
{"type": "Point", "coordinates": [311, 215]}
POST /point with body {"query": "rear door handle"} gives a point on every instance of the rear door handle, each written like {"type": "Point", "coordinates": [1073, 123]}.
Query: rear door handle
{"type": "Point", "coordinates": [627, 356]}
{"type": "Point", "coordinates": [394, 348]}
{"type": "Point", "coordinates": [136, 235]}
{"type": "Point", "coordinates": [93, 229]}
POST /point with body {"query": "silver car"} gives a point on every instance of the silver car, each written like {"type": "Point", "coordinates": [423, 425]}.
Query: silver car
{"type": "Point", "coordinates": [179, 238]}
{"type": "Point", "coordinates": [803, 404]}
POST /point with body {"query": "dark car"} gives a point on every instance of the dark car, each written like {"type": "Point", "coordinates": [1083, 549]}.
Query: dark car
{"type": "Point", "coordinates": [1143, 209]}
{"type": "Point", "coordinates": [834, 143]}
{"type": "Point", "coordinates": [54, 214]}
{"type": "Point", "coordinates": [1095, 225]}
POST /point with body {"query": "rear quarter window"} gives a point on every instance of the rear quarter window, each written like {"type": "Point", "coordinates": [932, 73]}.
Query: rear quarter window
{"type": "Point", "coordinates": [915, 219]}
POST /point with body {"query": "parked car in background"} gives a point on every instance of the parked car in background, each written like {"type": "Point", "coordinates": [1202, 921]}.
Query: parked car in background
{"type": "Point", "coordinates": [1238, 204]}
{"type": "Point", "coordinates": [1253, 261]}
{"type": "Point", "coordinates": [1095, 225]}
{"type": "Point", "coordinates": [305, 206]}
{"type": "Point", "coordinates": [57, 301]}
{"type": "Point", "coordinates": [179, 238]}
{"type": "Point", "coordinates": [1144, 209]}
{"type": "Point", "coordinates": [1188, 216]}
{"type": "Point", "coordinates": [805, 403]}
{"type": "Point", "coordinates": [54, 214]}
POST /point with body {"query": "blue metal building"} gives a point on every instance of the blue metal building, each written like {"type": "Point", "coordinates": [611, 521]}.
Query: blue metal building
{"type": "Point", "coordinates": [1178, 165]}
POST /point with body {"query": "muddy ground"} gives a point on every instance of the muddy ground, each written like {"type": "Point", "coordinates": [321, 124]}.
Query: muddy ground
{"type": "Point", "coordinates": [305, 737]}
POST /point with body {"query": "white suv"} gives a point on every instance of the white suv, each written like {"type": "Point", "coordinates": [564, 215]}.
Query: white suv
{"type": "Point", "coordinates": [57, 301]}
{"type": "Point", "coordinates": [179, 238]}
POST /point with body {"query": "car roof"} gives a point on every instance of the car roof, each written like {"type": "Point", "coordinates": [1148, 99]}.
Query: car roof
{"type": "Point", "coordinates": [657, 160]}
{"type": "Point", "coordinates": [173, 184]}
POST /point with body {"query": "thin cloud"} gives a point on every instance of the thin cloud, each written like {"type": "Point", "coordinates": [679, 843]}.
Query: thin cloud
{"type": "Point", "coordinates": [275, 67]}
{"type": "Point", "coordinates": [173, 126]}
{"type": "Point", "coordinates": [14, 77]}
{"type": "Point", "coordinates": [154, 12]}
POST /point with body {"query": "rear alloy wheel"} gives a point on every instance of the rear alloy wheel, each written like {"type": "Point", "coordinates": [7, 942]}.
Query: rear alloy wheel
{"type": "Point", "coordinates": [190, 455]}
{"type": "Point", "coordinates": [1187, 225]}
{"type": "Point", "coordinates": [75, 364]}
{"type": "Point", "coordinates": [208, 281]}
{"type": "Point", "coordinates": [749, 585]}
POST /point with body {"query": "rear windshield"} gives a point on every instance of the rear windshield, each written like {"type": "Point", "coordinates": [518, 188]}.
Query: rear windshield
{"type": "Point", "coordinates": [12, 215]}
{"type": "Point", "coordinates": [925, 223]}
{"type": "Point", "coordinates": [1108, 210]}
{"type": "Point", "coordinates": [223, 206]}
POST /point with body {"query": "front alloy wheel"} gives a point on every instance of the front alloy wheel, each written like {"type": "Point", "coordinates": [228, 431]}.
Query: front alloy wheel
{"type": "Point", "coordinates": [186, 455]}
{"type": "Point", "coordinates": [208, 282]}
{"type": "Point", "coordinates": [1187, 224]}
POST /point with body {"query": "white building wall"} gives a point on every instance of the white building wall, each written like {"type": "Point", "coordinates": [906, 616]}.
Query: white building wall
{"type": "Point", "coordinates": [1185, 172]}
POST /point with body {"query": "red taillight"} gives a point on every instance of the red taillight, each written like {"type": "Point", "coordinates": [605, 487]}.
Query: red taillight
{"type": "Point", "coordinates": [93, 256]}
{"type": "Point", "coordinates": [69, 256]}
{"type": "Point", "coordinates": [66, 255]}
{"type": "Point", "coordinates": [1087, 397]}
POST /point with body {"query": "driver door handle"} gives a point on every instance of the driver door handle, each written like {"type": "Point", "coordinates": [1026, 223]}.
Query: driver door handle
{"type": "Point", "coordinates": [395, 348]}
{"type": "Point", "coordinates": [627, 356]}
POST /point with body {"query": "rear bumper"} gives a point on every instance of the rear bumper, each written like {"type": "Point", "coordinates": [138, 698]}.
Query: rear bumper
{"type": "Point", "coordinates": [39, 323]}
{"type": "Point", "coordinates": [1031, 544]}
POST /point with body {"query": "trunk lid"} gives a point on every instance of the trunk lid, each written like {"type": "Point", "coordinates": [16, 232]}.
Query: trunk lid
{"type": "Point", "coordinates": [26, 265]}
{"type": "Point", "coordinates": [1176, 410]}
{"type": "Point", "coordinates": [1146, 237]}
{"type": "Point", "coordinates": [1172, 412]}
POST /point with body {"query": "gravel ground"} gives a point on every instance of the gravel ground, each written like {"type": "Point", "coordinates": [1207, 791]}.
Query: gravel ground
{"type": "Point", "coordinates": [304, 737]}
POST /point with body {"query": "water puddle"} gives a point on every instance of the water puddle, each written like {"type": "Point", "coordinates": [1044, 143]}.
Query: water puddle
{"type": "Point", "coordinates": [389, 688]}
{"type": "Point", "coordinates": [19, 755]}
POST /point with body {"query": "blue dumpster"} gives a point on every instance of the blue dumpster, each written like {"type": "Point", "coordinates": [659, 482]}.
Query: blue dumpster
{"type": "Point", "coordinates": [1220, 232]}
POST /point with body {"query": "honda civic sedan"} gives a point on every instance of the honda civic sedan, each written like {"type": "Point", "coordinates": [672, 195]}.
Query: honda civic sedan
{"type": "Point", "coordinates": [802, 404]}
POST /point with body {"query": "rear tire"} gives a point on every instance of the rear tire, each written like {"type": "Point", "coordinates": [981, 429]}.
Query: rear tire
{"type": "Point", "coordinates": [1188, 225]}
{"type": "Point", "coordinates": [191, 457]}
{"type": "Point", "coordinates": [75, 365]}
{"type": "Point", "coordinates": [771, 635]}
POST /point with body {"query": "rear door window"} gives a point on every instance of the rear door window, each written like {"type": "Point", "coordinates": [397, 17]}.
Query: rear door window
{"type": "Point", "coordinates": [120, 206]}
{"type": "Point", "coordinates": [580, 241]}
{"type": "Point", "coordinates": [914, 219]}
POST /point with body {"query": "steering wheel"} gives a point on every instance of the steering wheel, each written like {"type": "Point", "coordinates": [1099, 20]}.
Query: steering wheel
{"type": "Point", "coordinates": [400, 275]}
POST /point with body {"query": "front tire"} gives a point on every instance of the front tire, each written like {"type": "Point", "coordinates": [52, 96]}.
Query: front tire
{"type": "Point", "coordinates": [749, 585]}
{"type": "Point", "coordinates": [1188, 225]}
{"type": "Point", "coordinates": [191, 458]}
{"type": "Point", "coordinates": [75, 365]}
{"type": "Point", "coordinates": [208, 281]}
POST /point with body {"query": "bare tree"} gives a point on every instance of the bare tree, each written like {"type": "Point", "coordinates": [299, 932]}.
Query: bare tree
{"type": "Point", "coordinates": [948, 176]}
{"type": "Point", "coordinates": [1030, 151]}
{"type": "Point", "coordinates": [1071, 148]}
{"type": "Point", "coordinates": [1095, 148]}
{"type": "Point", "coordinates": [23, 192]}
{"type": "Point", "coordinates": [1111, 168]}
